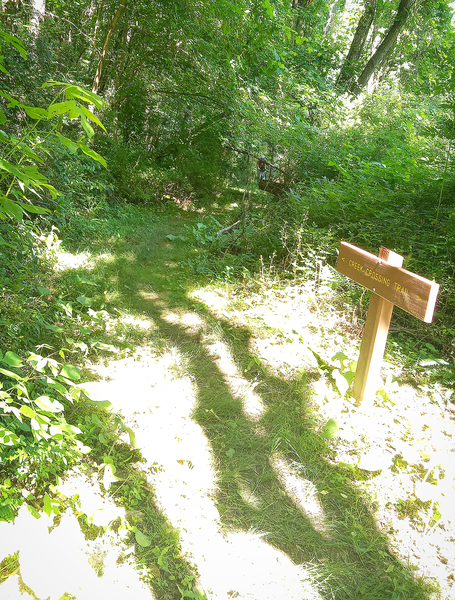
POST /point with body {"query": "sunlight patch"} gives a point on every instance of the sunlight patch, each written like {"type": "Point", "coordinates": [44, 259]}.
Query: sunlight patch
{"type": "Point", "coordinates": [302, 492]}
{"type": "Point", "coordinates": [240, 388]}
{"type": "Point", "coordinates": [148, 295]}
{"type": "Point", "coordinates": [59, 561]}
{"type": "Point", "coordinates": [67, 261]}
{"type": "Point", "coordinates": [188, 320]}
{"type": "Point", "coordinates": [135, 321]}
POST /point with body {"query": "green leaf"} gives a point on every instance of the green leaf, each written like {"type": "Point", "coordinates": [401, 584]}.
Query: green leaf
{"type": "Point", "coordinates": [54, 328]}
{"type": "Point", "coordinates": [89, 152]}
{"type": "Point", "coordinates": [3, 118]}
{"type": "Point", "coordinates": [133, 440]}
{"type": "Point", "coordinates": [104, 404]}
{"type": "Point", "coordinates": [43, 290]}
{"type": "Point", "coordinates": [71, 372]}
{"type": "Point", "coordinates": [91, 116]}
{"type": "Point", "coordinates": [12, 209]}
{"type": "Point", "coordinates": [83, 279]}
{"type": "Point", "coordinates": [49, 405]}
{"type": "Point", "coordinates": [85, 124]}
{"type": "Point", "coordinates": [330, 429]}
{"type": "Point", "coordinates": [8, 438]}
{"type": "Point", "coordinates": [60, 108]}
{"type": "Point", "coordinates": [85, 301]}
{"type": "Point", "coordinates": [5, 243]}
{"type": "Point", "coordinates": [10, 168]}
{"type": "Point", "coordinates": [35, 112]}
{"type": "Point", "coordinates": [75, 91]}
{"type": "Point", "coordinates": [47, 505]}
{"type": "Point", "coordinates": [10, 374]}
{"type": "Point", "coordinates": [230, 453]}
{"type": "Point", "coordinates": [12, 359]}
{"type": "Point", "coordinates": [15, 42]}
{"type": "Point", "coordinates": [142, 539]}
{"type": "Point", "coordinates": [32, 208]}
{"type": "Point", "coordinates": [67, 143]}
{"type": "Point", "coordinates": [27, 411]}
{"type": "Point", "coordinates": [32, 510]}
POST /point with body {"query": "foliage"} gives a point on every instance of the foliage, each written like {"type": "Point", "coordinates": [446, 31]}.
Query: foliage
{"type": "Point", "coordinates": [38, 444]}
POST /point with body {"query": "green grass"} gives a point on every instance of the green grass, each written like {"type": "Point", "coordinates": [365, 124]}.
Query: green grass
{"type": "Point", "coordinates": [353, 559]}
{"type": "Point", "coordinates": [145, 273]}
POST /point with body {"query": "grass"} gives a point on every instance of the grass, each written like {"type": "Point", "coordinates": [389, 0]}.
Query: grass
{"type": "Point", "coordinates": [276, 483]}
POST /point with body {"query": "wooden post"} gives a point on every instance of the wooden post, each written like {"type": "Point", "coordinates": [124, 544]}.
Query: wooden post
{"type": "Point", "coordinates": [391, 285]}
{"type": "Point", "coordinates": [374, 337]}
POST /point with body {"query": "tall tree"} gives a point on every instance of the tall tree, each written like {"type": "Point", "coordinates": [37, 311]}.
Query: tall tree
{"type": "Point", "coordinates": [358, 42]}
{"type": "Point", "coordinates": [102, 60]}
{"type": "Point", "coordinates": [385, 48]}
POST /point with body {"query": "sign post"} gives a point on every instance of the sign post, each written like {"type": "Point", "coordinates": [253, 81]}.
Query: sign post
{"type": "Point", "coordinates": [391, 285]}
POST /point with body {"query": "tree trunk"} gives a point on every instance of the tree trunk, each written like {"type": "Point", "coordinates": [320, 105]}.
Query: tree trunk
{"type": "Point", "coordinates": [385, 48]}
{"type": "Point", "coordinates": [102, 60]}
{"type": "Point", "coordinates": [298, 6]}
{"type": "Point", "coordinates": [358, 42]}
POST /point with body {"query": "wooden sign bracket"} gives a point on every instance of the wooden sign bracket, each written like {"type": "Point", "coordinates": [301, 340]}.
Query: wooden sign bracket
{"type": "Point", "coordinates": [391, 285]}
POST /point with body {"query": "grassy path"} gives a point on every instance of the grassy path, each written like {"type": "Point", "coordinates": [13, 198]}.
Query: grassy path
{"type": "Point", "coordinates": [263, 476]}
{"type": "Point", "coordinates": [238, 496]}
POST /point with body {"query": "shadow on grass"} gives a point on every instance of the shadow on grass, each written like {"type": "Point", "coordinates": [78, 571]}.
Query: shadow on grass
{"type": "Point", "coordinates": [351, 557]}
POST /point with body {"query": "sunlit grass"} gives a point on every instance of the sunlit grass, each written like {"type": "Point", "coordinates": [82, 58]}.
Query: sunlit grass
{"type": "Point", "coordinates": [238, 492]}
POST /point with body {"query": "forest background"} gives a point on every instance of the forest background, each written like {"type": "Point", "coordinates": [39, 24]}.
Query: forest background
{"type": "Point", "coordinates": [106, 105]}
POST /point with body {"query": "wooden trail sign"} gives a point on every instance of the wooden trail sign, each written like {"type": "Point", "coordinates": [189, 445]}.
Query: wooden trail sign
{"type": "Point", "coordinates": [391, 285]}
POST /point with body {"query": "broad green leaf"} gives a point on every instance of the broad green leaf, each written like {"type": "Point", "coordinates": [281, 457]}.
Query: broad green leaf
{"type": "Point", "coordinates": [60, 108]}
{"type": "Point", "coordinates": [12, 209]}
{"type": "Point", "coordinates": [49, 405]}
{"type": "Point", "coordinates": [142, 539]}
{"type": "Point", "coordinates": [32, 173]}
{"type": "Point", "coordinates": [71, 372]}
{"type": "Point", "coordinates": [72, 146]}
{"type": "Point", "coordinates": [2, 117]}
{"type": "Point", "coordinates": [32, 510]}
{"type": "Point", "coordinates": [10, 168]}
{"type": "Point", "coordinates": [104, 404]}
{"type": "Point", "coordinates": [15, 42]}
{"type": "Point", "coordinates": [47, 505]}
{"type": "Point", "coordinates": [84, 300]}
{"type": "Point", "coordinates": [86, 125]}
{"type": "Point", "coordinates": [89, 152]}
{"type": "Point", "coordinates": [133, 440]}
{"type": "Point", "coordinates": [35, 112]}
{"type": "Point", "coordinates": [32, 208]}
{"type": "Point", "coordinates": [330, 429]}
{"type": "Point", "coordinates": [51, 188]}
{"type": "Point", "coordinates": [10, 374]}
{"type": "Point", "coordinates": [12, 359]}
{"type": "Point", "coordinates": [83, 279]}
{"type": "Point", "coordinates": [27, 411]}
{"type": "Point", "coordinates": [8, 438]}
{"type": "Point", "coordinates": [92, 117]}
{"type": "Point", "coordinates": [55, 385]}
{"type": "Point", "coordinates": [52, 83]}
{"type": "Point", "coordinates": [75, 91]}
{"type": "Point", "coordinates": [44, 291]}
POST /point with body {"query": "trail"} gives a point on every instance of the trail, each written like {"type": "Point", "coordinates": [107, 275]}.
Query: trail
{"type": "Point", "coordinates": [242, 498]}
